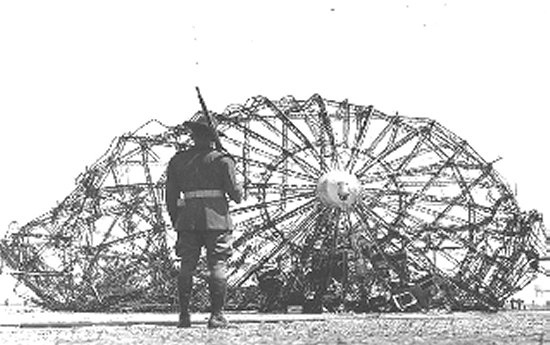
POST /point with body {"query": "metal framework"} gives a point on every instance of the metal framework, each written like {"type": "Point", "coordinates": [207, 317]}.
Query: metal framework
{"type": "Point", "coordinates": [346, 207]}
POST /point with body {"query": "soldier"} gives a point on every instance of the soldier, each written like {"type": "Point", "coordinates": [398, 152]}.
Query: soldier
{"type": "Point", "coordinates": [204, 176]}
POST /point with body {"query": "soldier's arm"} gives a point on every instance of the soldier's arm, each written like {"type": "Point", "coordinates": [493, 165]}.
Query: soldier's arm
{"type": "Point", "coordinates": [231, 187]}
{"type": "Point", "coordinates": [172, 193]}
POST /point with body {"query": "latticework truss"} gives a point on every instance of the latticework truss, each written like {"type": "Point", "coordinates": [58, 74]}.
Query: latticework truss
{"type": "Point", "coordinates": [346, 207]}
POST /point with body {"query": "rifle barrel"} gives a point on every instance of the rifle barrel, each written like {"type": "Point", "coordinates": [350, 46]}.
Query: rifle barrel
{"type": "Point", "coordinates": [210, 121]}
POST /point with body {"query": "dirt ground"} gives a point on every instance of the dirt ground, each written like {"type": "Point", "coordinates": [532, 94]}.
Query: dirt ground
{"type": "Point", "coordinates": [508, 327]}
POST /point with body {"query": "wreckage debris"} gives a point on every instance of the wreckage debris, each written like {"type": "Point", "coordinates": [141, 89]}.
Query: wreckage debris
{"type": "Point", "coordinates": [347, 209]}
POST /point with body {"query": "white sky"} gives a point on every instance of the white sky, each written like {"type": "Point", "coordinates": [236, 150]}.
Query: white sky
{"type": "Point", "coordinates": [75, 74]}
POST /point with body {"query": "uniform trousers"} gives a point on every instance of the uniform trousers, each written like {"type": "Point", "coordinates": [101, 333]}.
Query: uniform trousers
{"type": "Point", "coordinates": [218, 245]}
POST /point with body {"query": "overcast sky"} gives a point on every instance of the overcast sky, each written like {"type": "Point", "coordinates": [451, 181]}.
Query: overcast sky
{"type": "Point", "coordinates": [75, 74]}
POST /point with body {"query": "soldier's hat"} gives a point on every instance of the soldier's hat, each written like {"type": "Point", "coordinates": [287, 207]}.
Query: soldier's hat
{"type": "Point", "coordinates": [200, 125]}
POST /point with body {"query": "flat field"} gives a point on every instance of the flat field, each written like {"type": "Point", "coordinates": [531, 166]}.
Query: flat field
{"type": "Point", "coordinates": [506, 327]}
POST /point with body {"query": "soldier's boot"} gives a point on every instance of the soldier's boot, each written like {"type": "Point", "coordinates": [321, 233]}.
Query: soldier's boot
{"type": "Point", "coordinates": [184, 320]}
{"type": "Point", "coordinates": [185, 284]}
{"type": "Point", "coordinates": [217, 286]}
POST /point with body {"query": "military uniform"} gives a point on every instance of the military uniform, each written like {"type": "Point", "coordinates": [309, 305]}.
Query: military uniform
{"type": "Point", "coordinates": [198, 182]}
{"type": "Point", "coordinates": [203, 175]}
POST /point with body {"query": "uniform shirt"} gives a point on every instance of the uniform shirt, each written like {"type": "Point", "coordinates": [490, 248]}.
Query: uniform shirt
{"type": "Point", "coordinates": [195, 169]}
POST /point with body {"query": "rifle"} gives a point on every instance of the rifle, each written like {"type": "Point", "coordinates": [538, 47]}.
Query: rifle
{"type": "Point", "coordinates": [210, 121]}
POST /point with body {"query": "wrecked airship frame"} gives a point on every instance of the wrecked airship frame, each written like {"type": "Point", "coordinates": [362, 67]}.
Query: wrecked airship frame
{"type": "Point", "coordinates": [346, 208]}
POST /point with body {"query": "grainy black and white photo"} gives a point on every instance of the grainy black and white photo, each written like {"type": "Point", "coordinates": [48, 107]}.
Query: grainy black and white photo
{"type": "Point", "coordinates": [274, 172]}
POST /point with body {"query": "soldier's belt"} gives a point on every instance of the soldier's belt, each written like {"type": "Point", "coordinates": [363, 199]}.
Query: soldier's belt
{"type": "Point", "coordinates": [207, 193]}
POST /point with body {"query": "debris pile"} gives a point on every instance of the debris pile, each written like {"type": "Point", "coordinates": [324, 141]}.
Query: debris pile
{"type": "Point", "coordinates": [347, 208]}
